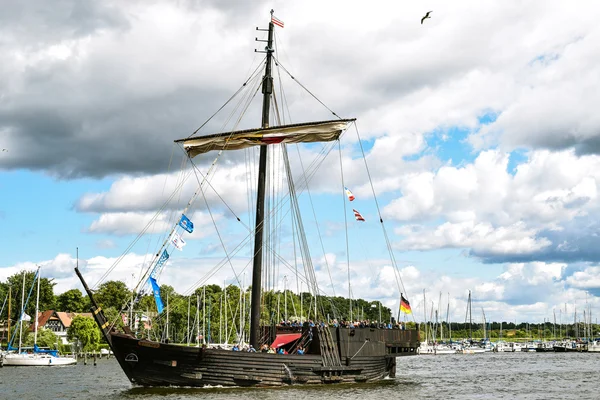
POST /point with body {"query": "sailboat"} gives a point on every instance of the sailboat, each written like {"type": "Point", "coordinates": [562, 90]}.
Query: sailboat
{"type": "Point", "coordinates": [470, 347]}
{"type": "Point", "coordinates": [7, 298]}
{"type": "Point", "coordinates": [442, 348]}
{"type": "Point", "coordinates": [38, 357]}
{"type": "Point", "coordinates": [330, 353]}
{"type": "Point", "coordinates": [426, 347]}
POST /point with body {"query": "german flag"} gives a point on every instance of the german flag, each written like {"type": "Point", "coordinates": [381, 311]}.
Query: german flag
{"type": "Point", "coordinates": [404, 305]}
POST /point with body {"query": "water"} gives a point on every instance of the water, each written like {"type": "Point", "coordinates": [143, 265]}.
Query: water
{"type": "Point", "coordinates": [480, 376]}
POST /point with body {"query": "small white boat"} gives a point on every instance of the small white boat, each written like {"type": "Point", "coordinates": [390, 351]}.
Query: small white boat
{"type": "Point", "coordinates": [442, 349]}
{"type": "Point", "coordinates": [473, 349]}
{"type": "Point", "coordinates": [426, 349]}
{"type": "Point", "coordinates": [504, 347]}
{"type": "Point", "coordinates": [594, 346]}
{"type": "Point", "coordinates": [33, 360]}
{"type": "Point", "coordinates": [519, 346]}
{"type": "Point", "coordinates": [529, 347]}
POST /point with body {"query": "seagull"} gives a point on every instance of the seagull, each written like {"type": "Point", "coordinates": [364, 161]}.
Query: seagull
{"type": "Point", "coordinates": [426, 16]}
{"type": "Point", "coordinates": [4, 150]}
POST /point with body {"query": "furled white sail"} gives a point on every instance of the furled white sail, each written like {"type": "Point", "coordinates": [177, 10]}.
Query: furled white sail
{"type": "Point", "coordinates": [324, 131]}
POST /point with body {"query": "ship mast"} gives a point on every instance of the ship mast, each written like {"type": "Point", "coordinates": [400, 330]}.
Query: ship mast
{"type": "Point", "coordinates": [267, 89]}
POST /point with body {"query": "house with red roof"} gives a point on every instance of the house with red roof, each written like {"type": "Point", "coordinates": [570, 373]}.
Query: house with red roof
{"type": "Point", "coordinates": [58, 322]}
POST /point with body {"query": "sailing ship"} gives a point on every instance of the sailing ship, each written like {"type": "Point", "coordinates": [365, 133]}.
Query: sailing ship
{"type": "Point", "coordinates": [330, 354]}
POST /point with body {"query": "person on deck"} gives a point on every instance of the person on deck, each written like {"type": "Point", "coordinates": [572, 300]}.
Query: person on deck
{"type": "Point", "coordinates": [300, 350]}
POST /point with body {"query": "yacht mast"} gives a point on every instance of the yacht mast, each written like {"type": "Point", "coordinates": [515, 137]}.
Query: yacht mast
{"type": "Point", "coordinates": [425, 315]}
{"type": "Point", "coordinates": [440, 314]}
{"type": "Point", "coordinates": [22, 313]}
{"type": "Point", "coordinates": [267, 89]}
{"type": "Point", "coordinates": [187, 332]}
{"type": "Point", "coordinates": [8, 311]}
{"type": "Point", "coordinates": [448, 319]}
{"type": "Point", "coordinates": [198, 321]}
{"type": "Point", "coordinates": [37, 306]}
{"type": "Point", "coordinates": [468, 314]}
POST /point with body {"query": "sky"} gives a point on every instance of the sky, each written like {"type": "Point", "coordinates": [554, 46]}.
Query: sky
{"type": "Point", "coordinates": [479, 130]}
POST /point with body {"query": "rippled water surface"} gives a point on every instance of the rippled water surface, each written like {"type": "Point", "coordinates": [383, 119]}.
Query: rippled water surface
{"type": "Point", "coordinates": [481, 376]}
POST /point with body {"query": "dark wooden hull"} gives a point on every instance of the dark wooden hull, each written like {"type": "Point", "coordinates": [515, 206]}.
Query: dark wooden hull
{"type": "Point", "coordinates": [362, 360]}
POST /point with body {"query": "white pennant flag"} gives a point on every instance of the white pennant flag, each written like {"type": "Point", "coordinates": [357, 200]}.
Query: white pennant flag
{"type": "Point", "coordinates": [177, 241]}
{"type": "Point", "coordinates": [25, 317]}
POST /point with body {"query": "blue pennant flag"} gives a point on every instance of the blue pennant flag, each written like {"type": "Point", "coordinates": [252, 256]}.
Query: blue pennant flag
{"type": "Point", "coordinates": [186, 224]}
{"type": "Point", "coordinates": [156, 291]}
{"type": "Point", "coordinates": [159, 264]}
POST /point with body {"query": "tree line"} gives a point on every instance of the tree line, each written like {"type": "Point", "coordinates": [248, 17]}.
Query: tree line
{"type": "Point", "coordinates": [505, 330]}
{"type": "Point", "coordinates": [209, 309]}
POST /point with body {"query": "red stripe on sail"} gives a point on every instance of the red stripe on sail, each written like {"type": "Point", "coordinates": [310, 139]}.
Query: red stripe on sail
{"type": "Point", "coordinates": [272, 140]}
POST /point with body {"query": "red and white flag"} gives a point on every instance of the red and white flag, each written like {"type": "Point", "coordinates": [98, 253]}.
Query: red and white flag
{"type": "Point", "coordinates": [358, 216]}
{"type": "Point", "coordinates": [276, 21]}
{"type": "Point", "coordinates": [349, 194]}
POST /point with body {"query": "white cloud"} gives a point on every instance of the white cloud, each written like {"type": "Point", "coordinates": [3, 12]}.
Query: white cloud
{"type": "Point", "coordinates": [486, 208]}
{"type": "Point", "coordinates": [134, 223]}
{"type": "Point", "coordinates": [551, 112]}
{"type": "Point", "coordinates": [534, 273]}
{"type": "Point", "coordinates": [513, 239]}
{"type": "Point", "coordinates": [176, 189]}
{"type": "Point", "coordinates": [589, 278]}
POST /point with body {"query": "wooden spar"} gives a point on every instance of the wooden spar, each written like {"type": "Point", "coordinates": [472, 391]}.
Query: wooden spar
{"type": "Point", "coordinates": [96, 310]}
{"type": "Point", "coordinates": [267, 89]}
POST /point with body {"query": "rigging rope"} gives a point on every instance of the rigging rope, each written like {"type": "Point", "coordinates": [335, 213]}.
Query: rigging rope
{"type": "Point", "coordinates": [317, 224]}
{"type": "Point", "coordinates": [399, 280]}
{"type": "Point", "coordinates": [227, 102]}
{"type": "Point", "coordinates": [305, 88]}
{"type": "Point", "coordinates": [346, 229]}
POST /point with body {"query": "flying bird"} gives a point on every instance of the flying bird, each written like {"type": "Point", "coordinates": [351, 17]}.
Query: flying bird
{"type": "Point", "coordinates": [4, 150]}
{"type": "Point", "coordinates": [426, 16]}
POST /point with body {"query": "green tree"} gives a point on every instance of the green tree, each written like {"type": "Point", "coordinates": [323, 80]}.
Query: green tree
{"type": "Point", "coordinates": [46, 293]}
{"type": "Point", "coordinates": [86, 331]}
{"type": "Point", "coordinates": [113, 294]}
{"type": "Point", "coordinates": [146, 303]}
{"type": "Point", "coordinates": [114, 317]}
{"type": "Point", "coordinates": [45, 338]}
{"type": "Point", "coordinates": [27, 335]}
{"type": "Point", "coordinates": [71, 301]}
